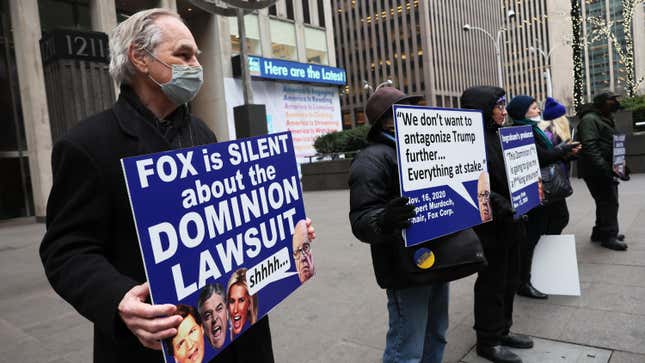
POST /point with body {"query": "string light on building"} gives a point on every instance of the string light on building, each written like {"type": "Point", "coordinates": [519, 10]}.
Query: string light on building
{"type": "Point", "coordinates": [578, 67]}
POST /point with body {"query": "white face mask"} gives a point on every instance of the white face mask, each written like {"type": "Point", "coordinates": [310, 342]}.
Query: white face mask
{"type": "Point", "coordinates": [537, 118]}
{"type": "Point", "coordinates": [184, 84]}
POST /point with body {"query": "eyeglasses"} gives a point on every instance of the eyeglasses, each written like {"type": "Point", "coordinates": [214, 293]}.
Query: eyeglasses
{"type": "Point", "coordinates": [500, 106]}
{"type": "Point", "coordinates": [305, 248]}
{"type": "Point", "coordinates": [483, 196]}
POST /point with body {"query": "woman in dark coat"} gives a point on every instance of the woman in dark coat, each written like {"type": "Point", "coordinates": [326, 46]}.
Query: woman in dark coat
{"type": "Point", "coordinates": [497, 284]}
{"type": "Point", "coordinates": [525, 111]}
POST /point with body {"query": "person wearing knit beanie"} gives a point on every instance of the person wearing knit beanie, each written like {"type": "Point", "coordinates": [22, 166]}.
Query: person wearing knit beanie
{"type": "Point", "coordinates": [555, 124]}
{"type": "Point", "coordinates": [518, 106]}
{"type": "Point", "coordinates": [547, 219]}
{"type": "Point", "coordinates": [553, 109]}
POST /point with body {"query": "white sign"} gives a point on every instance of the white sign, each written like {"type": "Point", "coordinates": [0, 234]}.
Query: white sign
{"type": "Point", "coordinates": [555, 265]}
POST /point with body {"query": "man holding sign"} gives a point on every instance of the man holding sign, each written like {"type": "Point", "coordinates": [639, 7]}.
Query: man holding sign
{"type": "Point", "coordinates": [90, 250]}
{"type": "Point", "coordinates": [596, 132]}
{"type": "Point", "coordinates": [417, 308]}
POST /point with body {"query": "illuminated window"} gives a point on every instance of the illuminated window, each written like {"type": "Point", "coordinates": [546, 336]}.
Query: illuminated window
{"type": "Point", "coordinates": [283, 39]}
{"type": "Point", "coordinates": [252, 35]}
{"type": "Point", "coordinates": [316, 45]}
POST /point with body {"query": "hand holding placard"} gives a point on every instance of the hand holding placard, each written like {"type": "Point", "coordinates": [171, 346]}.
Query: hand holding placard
{"type": "Point", "coordinates": [149, 323]}
{"type": "Point", "coordinates": [209, 213]}
{"type": "Point", "coordinates": [441, 156]}
{"type": "Point", "coordinates": [396, 215]}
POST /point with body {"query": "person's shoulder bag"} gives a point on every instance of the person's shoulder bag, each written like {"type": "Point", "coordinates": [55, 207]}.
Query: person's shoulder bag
{"type": "Point", "coordinates": [555, 183]}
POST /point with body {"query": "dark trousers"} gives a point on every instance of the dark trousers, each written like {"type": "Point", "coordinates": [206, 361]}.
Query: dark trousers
{"type": "Point", "coordinates": [496, 286]}
{"type": "Point", "coordinates": [605, 193]}
{"type": "Point", "coordinates": [548, 219]}
{"type": "Point", "coordinates": [252, 346]}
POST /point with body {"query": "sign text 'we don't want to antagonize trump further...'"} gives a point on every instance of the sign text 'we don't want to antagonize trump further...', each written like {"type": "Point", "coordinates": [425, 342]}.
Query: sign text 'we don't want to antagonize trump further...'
{"type": "Point", "coordinates": [222, 219]}
{"type": "Point", "coordinates": [522, 167]}
{"type": "Point", "coordinates": [442, 167]}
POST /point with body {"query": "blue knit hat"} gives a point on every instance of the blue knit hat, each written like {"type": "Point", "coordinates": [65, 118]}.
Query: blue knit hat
{"type": "Point", "coordinates": [553, 109]}
{"type": "Point", "coordinates": [518, 106]}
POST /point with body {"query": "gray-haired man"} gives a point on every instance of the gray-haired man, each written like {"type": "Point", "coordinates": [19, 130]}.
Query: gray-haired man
{"type": "Point", "coordinates": [90, 250]}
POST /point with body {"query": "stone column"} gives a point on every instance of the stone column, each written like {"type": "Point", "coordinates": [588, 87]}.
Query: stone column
{"type": "Point", "coordinates": [211, 33]}
{"type": "Point", "coordinates": [639, 45]}
{"type": "Point", "coordinates": [103, 15]}
{"type": "Point", "coordinates": [265, 33]}
{"type": "Point", "coordinates": [168, 4]}
{"type": "Point", "coordinates": [329, 29]}
{"type": "Point", "coordinates": [300, 31]}
{"type": "Point", "coordinates": [26, 35]}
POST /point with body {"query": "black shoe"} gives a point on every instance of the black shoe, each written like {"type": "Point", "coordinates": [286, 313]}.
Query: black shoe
{"type": "Point", "coordinates": [497, 354]}
{"type": "Point", "coordinates": [517, 341]}
{"type": "Point", "coordinates": [596, 239]}
{"type": "Point", "coordinates": [614, 244]}
{"type": "Point", "coordinates": [527, 290]}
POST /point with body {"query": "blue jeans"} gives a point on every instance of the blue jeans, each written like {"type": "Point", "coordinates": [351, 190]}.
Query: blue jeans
{"type": "Point", "coordinates": [418, 324]}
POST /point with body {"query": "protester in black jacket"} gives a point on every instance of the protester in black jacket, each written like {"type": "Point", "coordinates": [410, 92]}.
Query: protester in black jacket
{"type": "Point", "coordinates": [497, 284]}
{"type": "Point", "coordinates": [418, 309]}
{"type": "Point", "coordinates": [525, 111]}
{"type": "Point", "coordinates": [90, 251]}
{"type": "Point", "coordinates": [596, 130]}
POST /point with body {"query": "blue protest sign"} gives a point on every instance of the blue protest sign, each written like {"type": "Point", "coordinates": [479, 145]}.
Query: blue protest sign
{"type": "Point", "coordinates": [522, 167]}
{"type": "Point", "coordinates": [222, 235]}
{"type": "Point", "coordinates": [619, 154]}
{"type": "Point", "coordinates": [442, 167]}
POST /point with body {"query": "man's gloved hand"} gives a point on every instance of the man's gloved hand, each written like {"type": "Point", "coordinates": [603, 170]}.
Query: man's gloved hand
{"type": "Point", "coordinates": [396, 215]}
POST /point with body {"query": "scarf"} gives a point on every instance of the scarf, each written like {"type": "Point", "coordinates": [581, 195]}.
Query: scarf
{"type": "Point", "coordinates": [536, 130]}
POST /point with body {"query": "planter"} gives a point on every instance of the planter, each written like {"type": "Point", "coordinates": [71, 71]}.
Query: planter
{"type": "Point", "coordinates": [325, 175]}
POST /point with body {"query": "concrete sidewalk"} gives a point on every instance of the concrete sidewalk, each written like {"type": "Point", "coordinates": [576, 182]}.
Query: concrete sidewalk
{"type": "Point", "coordinates": [340, 315]}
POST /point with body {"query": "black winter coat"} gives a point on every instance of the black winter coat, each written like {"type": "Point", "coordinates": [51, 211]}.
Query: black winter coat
{"type": "Point", "coordinates": [90, 251]}
{"type": "Point", "coordinates": [596, 133]}
{"type": "Point", "coordinates": [374, 181]}
{"type": "Point", "coordinates": [503, 229]}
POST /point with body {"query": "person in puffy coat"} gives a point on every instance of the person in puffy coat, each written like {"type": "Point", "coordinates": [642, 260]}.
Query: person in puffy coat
{"type": "Point", "coordinates": [497, 284]}
{"type": "Point", "coordinates": [417, 309]}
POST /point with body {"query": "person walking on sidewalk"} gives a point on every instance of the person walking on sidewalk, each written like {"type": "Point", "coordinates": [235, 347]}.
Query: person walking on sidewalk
{"type": "Point", "coordinates": [417, 309]}
{"type": "Point", "coordinates": [497, 284]}
{"type": "Point", "coordinates": [596, 130]}
{"type": "Point", "coordinates": [525, 111]}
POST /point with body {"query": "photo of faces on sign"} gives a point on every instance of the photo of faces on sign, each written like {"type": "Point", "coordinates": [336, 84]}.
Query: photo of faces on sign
{"type": "Point", "coordinates": [223, 313]}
